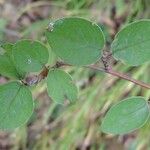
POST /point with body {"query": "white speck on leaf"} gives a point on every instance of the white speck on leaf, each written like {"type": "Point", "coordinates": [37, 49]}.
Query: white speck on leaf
{"type": "Point", "coordinates": [29, 61]}
{"type": "Point", "coordinates": [51, 26]}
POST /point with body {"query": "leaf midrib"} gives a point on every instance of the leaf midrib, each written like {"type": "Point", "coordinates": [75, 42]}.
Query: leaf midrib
{"type": "Point", "coordinates": [12, 101]}
{"type": "Point", "coordinates": [132, 45]}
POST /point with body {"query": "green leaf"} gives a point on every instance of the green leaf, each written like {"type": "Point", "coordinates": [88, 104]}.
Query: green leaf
{"type": "Point", "coordinates": [7, 46]}
{"type": "Point", "coordinates": [30, 56]}
{"type": "Point", "coordinates": [77, 41]}
{"type": "Point", "coordinates": [7, 67]}
{"type": "Point", "coordinates": [60, 86]}
{"type": "Point", "coordinates": [16, 105]}
{"type": "Point", "coordinates": [132, 43]}
{"type": "Point", "coordinates": [126, 116]}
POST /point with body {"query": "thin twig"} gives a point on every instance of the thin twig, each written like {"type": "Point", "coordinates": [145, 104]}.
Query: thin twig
{"type": "Point", "coordinates": [126, 77]}
{"type": "Point", "coordinates": [122, 76]}
{"type": "Point", "coordinates": [44, 74]}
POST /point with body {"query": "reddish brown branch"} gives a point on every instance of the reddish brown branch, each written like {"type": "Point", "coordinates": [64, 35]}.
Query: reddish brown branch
{"type": "Point", "coordinates": [36, 79]}
{"type": "Point", "coordinates": [126, 77]}
{"type": "Point", "coordinates": [122, 76]}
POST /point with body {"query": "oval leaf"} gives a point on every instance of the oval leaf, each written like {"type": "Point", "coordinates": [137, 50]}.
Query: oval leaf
{"type": "Point", "coordinates": [7, 66]}
{"type": "Point", "coordinates": [132, 44]}
{"type": "Point", "coordinates": [30, 56]}
{"type": "Point", "coordinates": [77, 41]}
{"type": "Point", "coordinates": [60, 86]}
{"type": "Point", "coordinates": [126, 116]}
{"type": "Point", "coordinates": [16, 105]}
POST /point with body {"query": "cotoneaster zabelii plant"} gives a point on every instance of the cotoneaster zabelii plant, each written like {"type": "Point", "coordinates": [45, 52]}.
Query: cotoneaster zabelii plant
{"type": "Point", "coordinates": [77, 42]}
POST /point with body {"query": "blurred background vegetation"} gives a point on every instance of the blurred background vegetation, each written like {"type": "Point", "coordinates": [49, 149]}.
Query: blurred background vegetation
{"type": "Point", "coordinates": [76, 126]}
